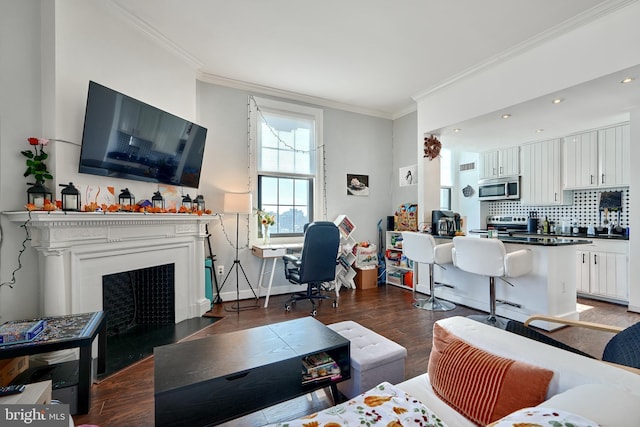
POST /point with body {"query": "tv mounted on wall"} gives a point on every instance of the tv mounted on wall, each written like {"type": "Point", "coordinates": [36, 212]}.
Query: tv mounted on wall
{"type": "Point", "coordinates": [126, 138]}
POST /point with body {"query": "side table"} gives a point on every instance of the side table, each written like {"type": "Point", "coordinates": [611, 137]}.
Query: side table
{"type": "Point", "coordinates": [66, 332]}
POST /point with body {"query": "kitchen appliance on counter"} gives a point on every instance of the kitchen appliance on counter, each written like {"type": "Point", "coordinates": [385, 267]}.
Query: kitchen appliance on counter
{"type": "Point", "coordinates": [507, 188]}
{"type": "Point", "coordinates": [532, 222]}
{"type": "Point", "coordinates": [505, 225]}
{"type": "Point", "coordinates": [443, 223]}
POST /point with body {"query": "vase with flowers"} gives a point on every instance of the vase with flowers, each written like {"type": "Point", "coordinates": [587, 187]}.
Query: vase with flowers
{"type": "Point", "coordinates": [267, 220]}
{"type": "Point", "coordinates": [36, 167]}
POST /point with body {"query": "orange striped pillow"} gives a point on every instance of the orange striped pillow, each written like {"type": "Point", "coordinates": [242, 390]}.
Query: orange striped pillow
{"type": "Point", "coordinates": [481, 386]}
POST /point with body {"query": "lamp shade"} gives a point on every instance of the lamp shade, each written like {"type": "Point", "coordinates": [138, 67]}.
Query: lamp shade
{"type": "Point", "coordinates": [237, 203]}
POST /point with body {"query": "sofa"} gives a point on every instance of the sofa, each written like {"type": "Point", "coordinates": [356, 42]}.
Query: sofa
{"type": "Point", "coordinates": [481, 375]}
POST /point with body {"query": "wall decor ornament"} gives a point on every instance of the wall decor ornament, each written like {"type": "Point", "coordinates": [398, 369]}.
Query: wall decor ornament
{"type": "Point", "coordinates": [432, 147]}
{"type": "Point", "coordinates": [357, 185]}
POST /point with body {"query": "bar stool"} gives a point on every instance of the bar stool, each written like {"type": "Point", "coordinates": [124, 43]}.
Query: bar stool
{"type": "Point", "coordinates": [421, 248]}
{"type": "Point", "coordinates": [488, 257]}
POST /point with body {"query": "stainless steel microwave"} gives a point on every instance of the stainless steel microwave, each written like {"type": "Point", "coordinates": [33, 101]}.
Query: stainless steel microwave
{"type": "Point", "coordinates": [507, 188]}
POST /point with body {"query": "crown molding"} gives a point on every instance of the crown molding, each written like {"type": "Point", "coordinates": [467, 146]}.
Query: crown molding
{"type": "Point", "coordinates": [590, 15]}
{"type": "Point", "coordinates": [293, 96]}
{"type": "Point", "coordinates": [152, 34]}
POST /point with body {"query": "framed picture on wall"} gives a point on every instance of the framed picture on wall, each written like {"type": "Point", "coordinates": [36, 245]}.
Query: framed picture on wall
{"type": "Point", "coordinates": [408, 175]}
{"type": "Point", "coordinates": [357, 185]}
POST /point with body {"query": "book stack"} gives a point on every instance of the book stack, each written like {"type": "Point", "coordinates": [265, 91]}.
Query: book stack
{"type": "Point", "coordinates": [15, 332]}
{"type": "Point", "coordinates": [319, 367]}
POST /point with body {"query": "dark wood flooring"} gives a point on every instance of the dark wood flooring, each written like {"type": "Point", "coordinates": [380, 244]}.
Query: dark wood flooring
{"type": "Point", "coordinates": [126, 398]}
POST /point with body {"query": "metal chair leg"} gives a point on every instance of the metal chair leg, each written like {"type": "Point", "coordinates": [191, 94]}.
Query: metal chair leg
{"type": "Point", "coordinates": [433, 304]}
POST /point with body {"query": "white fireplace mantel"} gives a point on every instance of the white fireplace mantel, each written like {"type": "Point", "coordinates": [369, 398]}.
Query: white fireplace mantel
{"type": "Point", "coordinates": [75, 249]}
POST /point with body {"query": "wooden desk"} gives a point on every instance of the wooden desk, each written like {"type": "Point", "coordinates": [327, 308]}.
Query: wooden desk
{"type": "Point", "coordinates": [273, 252]}
{"type": "Point", "coordinates": [211, 380]}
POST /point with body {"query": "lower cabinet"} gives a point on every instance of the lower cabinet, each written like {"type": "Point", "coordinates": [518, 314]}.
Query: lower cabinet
{"type": "Point", "coordinates": [602, 271]}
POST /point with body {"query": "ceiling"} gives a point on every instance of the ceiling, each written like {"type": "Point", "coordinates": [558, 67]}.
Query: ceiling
{"type": "Point", "coordinates": [369, 56]}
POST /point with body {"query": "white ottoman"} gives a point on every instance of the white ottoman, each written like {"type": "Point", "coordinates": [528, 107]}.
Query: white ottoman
{"type": "Point", "coordinates": [374, 359]}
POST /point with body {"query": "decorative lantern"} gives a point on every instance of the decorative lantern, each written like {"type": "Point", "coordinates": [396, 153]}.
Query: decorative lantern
{"type": "Point", "coordinates": [126, 198]}
{"type": "Point", "coordinates": [157, 200]}
{"type": "Point", "coordinates": [187, 203]}
{"type": "Point", "coordinates": [37, 194]}
{"type": "Point", "coordinates": [70, 197]}
{"type": "Point", "coordinates": [199, 203]}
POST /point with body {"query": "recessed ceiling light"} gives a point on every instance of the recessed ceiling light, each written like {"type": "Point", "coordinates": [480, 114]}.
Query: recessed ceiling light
{"type": "Point", "coordinates": [457, 130]}
{"type": "Point", "coordinates": [506, 116]}
{"type": "Point", "coordinates": [627, 80]}
{"type": "Point", "coordinates": [557, 100]}
{"type": "Point", "coordinates": [539, 130]}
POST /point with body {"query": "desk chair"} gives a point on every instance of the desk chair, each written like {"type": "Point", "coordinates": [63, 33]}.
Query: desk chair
{"type": "Point", "coordinates": [622, 349]}
{"type": "Point", "coordinates": [488, 257]}
{"type": "Point", "coordinates": [316, 265]}
{"type": "Point", "coordinates": [422, 248]}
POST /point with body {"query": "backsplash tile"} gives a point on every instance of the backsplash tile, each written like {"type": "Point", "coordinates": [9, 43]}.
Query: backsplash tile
{"type": "Point", "coordinates": [584, 211]}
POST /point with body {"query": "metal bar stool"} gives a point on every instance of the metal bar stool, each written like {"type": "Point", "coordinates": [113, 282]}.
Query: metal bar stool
{"type": "Point", "coordinates": [421, 248]}
{"type": "Point", "coordinates": [488, 257]}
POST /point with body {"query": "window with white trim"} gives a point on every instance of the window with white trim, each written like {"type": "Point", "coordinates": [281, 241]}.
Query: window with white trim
{"type": "Point", "coordinates": [288, 166]}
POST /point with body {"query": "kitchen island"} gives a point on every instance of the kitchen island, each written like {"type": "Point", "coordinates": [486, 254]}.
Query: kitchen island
{"type": "Point", "coordinates": [550, 287]}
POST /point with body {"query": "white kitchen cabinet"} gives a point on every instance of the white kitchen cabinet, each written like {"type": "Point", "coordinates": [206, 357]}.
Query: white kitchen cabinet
{"type": "Point", "coordinates": [602, 270]}
{"type": "Point", "coordinates": [614, 146]}
{"type": "Point", "coordinates": [541, 182]}
{"type": "Point", "coordinates": [581, 160]}
{"type": "Point", "coordinates": [597, 159]}
{"type": "Point", "coordinates": [499, 163]}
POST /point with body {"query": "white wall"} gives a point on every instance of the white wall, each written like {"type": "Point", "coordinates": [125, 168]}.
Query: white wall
{"type": "Point", "coordinates": [404, 154]}
{"type": "Point", "coordinates": [20, 118]}
{"type": "Point", "coordinates": [354, 143]}
{"type": "Point", "coordinates": [634, 219]}
{"type": "Point", "coordinates": [44, 87]}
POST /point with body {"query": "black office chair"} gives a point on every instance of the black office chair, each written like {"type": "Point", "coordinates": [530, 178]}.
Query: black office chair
{"type": "Point", "coordinates": [622, 349]}
{"type": "Point", "coordinates": [316, 265]}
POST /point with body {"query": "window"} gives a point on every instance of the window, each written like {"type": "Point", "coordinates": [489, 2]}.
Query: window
{"type": "Point", "coordinates": [446, 179]}
{"type": "Point", "coordinates": [287, 163]}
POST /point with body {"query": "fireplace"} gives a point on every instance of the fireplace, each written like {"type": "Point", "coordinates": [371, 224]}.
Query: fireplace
{"type": "Point", "coordinates": [77, 249]}
{"type": "Point", "coordinates": [140, 297]}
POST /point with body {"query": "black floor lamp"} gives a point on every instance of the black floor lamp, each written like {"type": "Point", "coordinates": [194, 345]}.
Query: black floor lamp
{"type": "Point", "coordinates": [238, 203]}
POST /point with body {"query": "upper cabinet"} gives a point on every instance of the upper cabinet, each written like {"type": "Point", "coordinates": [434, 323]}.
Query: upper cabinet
{"type": "Point", "coordinates": [541, 182]}
{"type": "Point", "coordinates": [614, 144]}
{"type": "Point", "coordinates": [499, 163]}
{"type": "Point", "coordinates": [597, 158]}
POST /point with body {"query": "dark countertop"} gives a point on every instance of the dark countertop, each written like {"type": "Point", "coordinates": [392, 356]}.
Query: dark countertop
{"type": "Point", "coordinates": [603, 236]}
{"type": "Point", "coordinates": [537, 240]}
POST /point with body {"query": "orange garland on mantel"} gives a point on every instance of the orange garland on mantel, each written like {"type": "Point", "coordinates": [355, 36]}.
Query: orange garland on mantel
{"type": "Point", "coordinates": [432, 147]}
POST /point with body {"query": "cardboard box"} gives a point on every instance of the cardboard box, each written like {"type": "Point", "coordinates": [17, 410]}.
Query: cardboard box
{"type": "Point", "coordinates": [10, 368]}
{"type": "Point", "coordinates": [366, 278]}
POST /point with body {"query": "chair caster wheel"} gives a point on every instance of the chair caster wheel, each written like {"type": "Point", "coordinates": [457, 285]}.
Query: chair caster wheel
{"type": "Point", "coordinates": [335, 304]}
{"type": "Point", "coordinates": [314, 313]}
{"type": "Point", "coordinates": [287, 307]}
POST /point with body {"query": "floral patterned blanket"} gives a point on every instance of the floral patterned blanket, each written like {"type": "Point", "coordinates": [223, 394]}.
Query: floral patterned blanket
{"type": "Point", "coordinates": [383, 405]}
{"type": "Point", "coordinates": [387, 405]}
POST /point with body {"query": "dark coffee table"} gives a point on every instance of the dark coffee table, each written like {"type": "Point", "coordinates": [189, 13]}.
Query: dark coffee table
{"type": "Point", "coordinates": [212, 380]}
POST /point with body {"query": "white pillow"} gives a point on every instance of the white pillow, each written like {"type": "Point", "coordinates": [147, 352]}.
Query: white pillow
{"type": "Point", "coordinates": [605, 404]}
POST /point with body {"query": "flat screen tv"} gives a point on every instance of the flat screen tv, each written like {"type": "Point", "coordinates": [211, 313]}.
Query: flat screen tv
{"type": "Point", "coordinates": [126, 138]}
